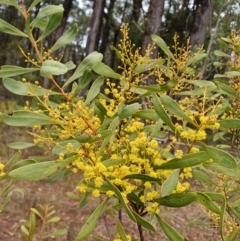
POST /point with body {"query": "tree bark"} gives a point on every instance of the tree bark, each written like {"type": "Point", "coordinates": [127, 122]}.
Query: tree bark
{"type": "Point", "coordinates": [106, 27]}
{"type": "Point", "coordinates": [153, 24]}
{"type": "Point", "coordinates": [201, 19]}
{"type": "Point", "coordinates": [95, 26]}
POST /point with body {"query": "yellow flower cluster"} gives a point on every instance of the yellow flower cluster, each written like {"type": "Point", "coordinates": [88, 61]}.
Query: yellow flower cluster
{"type": "Point", "coordinates": [2, 173]}
{"type": "Point", "coordinates": [117, 237]}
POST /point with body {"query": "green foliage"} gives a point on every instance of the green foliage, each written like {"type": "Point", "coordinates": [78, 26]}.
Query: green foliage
{"type": "Point", "coordinates": [111, 136]}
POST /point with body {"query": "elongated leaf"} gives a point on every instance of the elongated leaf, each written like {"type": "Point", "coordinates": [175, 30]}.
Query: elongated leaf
{"type": "Point", "coordinates": [232, 172]}
{"type": "Point", "coordinates": [26, 89]}
{"type": "Point", "coordinates": [143, 222]}
{"type": "Point", "coordinates": [45, 12]}
{"type": "Point", "coordinates": [52, 67]}
{"type": "Point", "coordinates": [206, 201]}
{"type": "Point", "coordinates": [158, 88]}
{"type": "Point", "coordinates": [66, 38]}
{"type": "Point", "coordinates": [84, 81]}
{"type": "Point", "coordinates": [52, 24]}
{"type": "Point", "coordinates": [170, 232]}
{"type": "Point", "coordinates": [221, 157]}
{"type": "Point", "coordinates": [221, 54]}
{"type": "Point", "coordinates": [33, 4]}
{"type": "Point", "coordinates": [188, 160]}
{"type": "Point", "coordinates": [13, 159]}
{"type": "Point", "coordinates": [121, 231]}
{"type": "Point", "coordinates": [88, 228]}
{"type": "Point", "coordinates": [102, 69]}
{"type": "Point", "coordinates": [142, 177]}
{"type": "Point", "coordinates": [7, 2]}
{"type": "Point", "coordinates": [155, 63]}
{"type": "Point", "coordinates": [11, 70]}
{"type": "Point", "coordinates": [147, 115]}
{"type": "Point", "coordinates": [32, 225]}
{"type": "Point", "coordinates": [173, 107]}
{"type": "Point", "coordinates": [70, 65]}
{"type": "Point", "coordinates": [161, 112]}
{"type": "Point", "coordinates": [163, 46]}
{"type": "Point", "coordinates": [202, 176]}
{"type": "Point", "coordinates": [89, 61]}
{"type": "Point", "coordinates": [129, 110]}
{"type": "Point", "coordinates": [177, 199]}
{"type": "Point", "coordinates": [16, 5]}
{"type": "Point", "coordinates": [233, 74]}
{"type": "Point", "coordinates": [94, 90]}
{"type": "Point", "coordinates": [20, 145]}
{"type": "Point", "coordinates": [231, 123]}
{"type": "Point", "coordinates": [25, 118]}
{"type": "Point", "coordinates": [227, 89]}
{"type": "Point", "coordinates": [170, 183]}
{"type": "Point", "coordinates": [112, 162]}
{"type": "Point", "coordinates": [8, 197]}
{"type": "Point", "coordinates": [119, 196]}
{"type": "Point", "coordinates": [233, 234]}
{"type": "Point", "coordinates": [39, 171]}
{"type": "Point", "coordinates": [9, 29]}
{"type": "Point", "coordinates": [196, 58]}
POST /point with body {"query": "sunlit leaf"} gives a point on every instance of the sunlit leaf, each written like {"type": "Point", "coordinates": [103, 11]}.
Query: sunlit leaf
{"type": "Point", "coordinates": [52, 67]}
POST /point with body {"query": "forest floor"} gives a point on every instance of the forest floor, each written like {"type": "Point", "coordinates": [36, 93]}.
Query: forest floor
{"type": "Point", "coordinates": [72, 218]}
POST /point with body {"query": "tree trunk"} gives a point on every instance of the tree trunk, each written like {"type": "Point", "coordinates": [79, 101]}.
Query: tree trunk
{"type": "Point", "coordinates": [95, 26]}
{"type": "Point", "coordinates": [153, 23]}
{"type": "Point", "coordinates": [106, 28]}
{"type": "Point", "coordinates": [201, 18]}
{"type": "Point", "coordinates": [152, 26]}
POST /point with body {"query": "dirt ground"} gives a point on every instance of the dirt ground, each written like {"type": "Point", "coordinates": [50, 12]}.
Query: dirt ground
{"type": "Point", "coordinates": [72, 218]}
